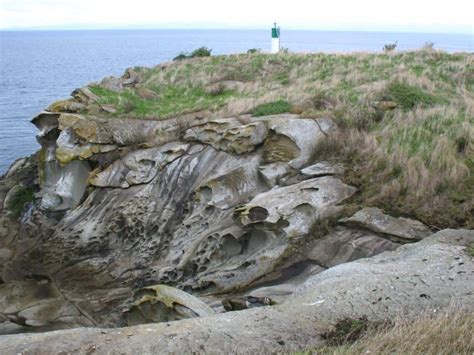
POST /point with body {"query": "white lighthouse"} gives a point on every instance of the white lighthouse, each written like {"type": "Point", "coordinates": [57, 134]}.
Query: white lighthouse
{"type": "Point", "coordinates": [275, 39]}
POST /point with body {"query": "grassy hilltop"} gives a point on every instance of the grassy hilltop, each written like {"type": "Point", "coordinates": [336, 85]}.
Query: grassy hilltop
{"type": "Point", "coordinates": [406, 119]}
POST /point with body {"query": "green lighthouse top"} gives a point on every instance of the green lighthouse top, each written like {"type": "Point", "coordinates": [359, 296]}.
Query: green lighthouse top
{"type": "Point", "coordinates": [275, 31]}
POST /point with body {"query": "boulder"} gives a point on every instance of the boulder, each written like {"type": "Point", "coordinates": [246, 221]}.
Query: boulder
{"type": "Point", "coordinates": [385, 105]}
{"type": "Point", "coordinates": [85, 96]}
{"type": "Point", "coordinates": [109, 108]}
{"type": "Point", "coordinates": [223, 86]}
{"type": "Point", "coordinates": [323, 168]}
{"type": "Point", "coordinates": [146, 94]}
{"type": "Point", "coordinates": [111, 83]}
{"type": "Point", "coordinates": [240, 303]}
{"type": "Point", "coordinates": [161, 303]}
{"type": "Point", "coordinates": [131, 77]}
{"type": "Point", "coordinates": [397, 229]}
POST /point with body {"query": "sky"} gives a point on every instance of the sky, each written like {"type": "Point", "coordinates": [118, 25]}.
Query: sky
{"type": "Point", "coordinates": [400, 15]}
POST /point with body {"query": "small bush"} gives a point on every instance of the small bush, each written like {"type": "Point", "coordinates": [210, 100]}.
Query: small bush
{"type": "Point", "coordinates": [197, 53]}
{"type": "Point", "coordinates": [201, 52]}
{"type": "Point", "coordinates": [181, 56]}
{"type": "Point", "coordinates": [20, 199]}
{"type": "Point", "coordinates": [389, 47]}
{"type": "Point", "coordinates": [254, 50]}
{"type": "Point", "coordinates": [408, 96]}
{"type": "Point", "coordinates": [272, 108]}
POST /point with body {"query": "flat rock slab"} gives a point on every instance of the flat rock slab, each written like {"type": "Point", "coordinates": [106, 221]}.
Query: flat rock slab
{"type": "Point", "coordinates": [323, 168]}
{"type": "Point", "coordinates": [432, 274]}
{"type": "Point", "coordinates": [399, 229]}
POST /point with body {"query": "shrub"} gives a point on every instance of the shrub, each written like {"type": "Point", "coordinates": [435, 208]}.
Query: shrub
{"type": "Point", "coordinates": [201, 52]}
{"type": "Point", "coordinates": [389, 47]}
{"type": "Point", "coordinates": [181, 56]}
{"type": "Point", "coordinates": [20, 199]}
{"type": "Point", "coordinates": [197, 53]}
{"type": "Point", "coordinates": [254, 50]}
{"type": "Point", "coordinates": [408, 96]}
{"type": "Point", "coordinates": [272, 108]}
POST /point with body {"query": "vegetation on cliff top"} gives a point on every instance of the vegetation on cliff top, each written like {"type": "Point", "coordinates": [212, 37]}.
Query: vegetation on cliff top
{"type": "Point", "coordinates": [407, 118]}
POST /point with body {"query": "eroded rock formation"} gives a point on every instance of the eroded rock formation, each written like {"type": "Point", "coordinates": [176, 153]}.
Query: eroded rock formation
{"type": "Point", "coordinates": [426, 276]}
{"type": "Point", "coordinates": [211, 208]}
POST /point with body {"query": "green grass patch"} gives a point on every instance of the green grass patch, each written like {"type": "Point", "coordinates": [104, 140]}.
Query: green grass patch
{"type": "Point", "coordinates": [20, 199]}
{"type": "Point", "coordinates": [272, 108]}
{"type": "Point", "coordinates": [408, 96]}
{"type": "Point", "coordinates": [171, 100]}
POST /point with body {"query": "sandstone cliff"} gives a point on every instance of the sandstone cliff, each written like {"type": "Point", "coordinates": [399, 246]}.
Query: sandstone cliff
{"type": "Point", "coordinates": [216, 205]}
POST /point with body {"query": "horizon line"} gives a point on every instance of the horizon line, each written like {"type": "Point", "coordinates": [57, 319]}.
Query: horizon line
{"type": "Point", "coordinates": [358, 28]}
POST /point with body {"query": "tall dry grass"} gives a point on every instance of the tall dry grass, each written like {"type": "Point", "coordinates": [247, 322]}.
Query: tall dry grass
{"type": "Point", "coordinates": [443, 333]}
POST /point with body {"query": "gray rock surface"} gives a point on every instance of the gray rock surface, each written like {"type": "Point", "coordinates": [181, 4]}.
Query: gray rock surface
{"type": "Point", "coordinates": [425, 276]}
{"type": "Point", "coordinates": [395, 228]}
{"type": "Point", "coordinates": [346, 244]}
{"type": "Point", "coordinates": [323, 168]}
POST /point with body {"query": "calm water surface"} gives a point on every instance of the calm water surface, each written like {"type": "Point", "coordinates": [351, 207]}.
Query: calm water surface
{"type": "Point", "coordinates": [37, 68]}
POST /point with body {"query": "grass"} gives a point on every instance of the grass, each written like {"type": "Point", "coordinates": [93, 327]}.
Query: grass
{"type": "Point", "coordinates": [438, 333]}
{"type": "Point", "coordinates": [415, 160]}
{"type": "Point", "coordinates": [170, 101]}
{"type": "Point", "coordinates": [408, 96]}
{"type": "Point", "coordinates": [271, 108]}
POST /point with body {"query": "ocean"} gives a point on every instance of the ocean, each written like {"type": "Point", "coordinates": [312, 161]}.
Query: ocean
{"type": "Point", "coordinates": [39, 67]}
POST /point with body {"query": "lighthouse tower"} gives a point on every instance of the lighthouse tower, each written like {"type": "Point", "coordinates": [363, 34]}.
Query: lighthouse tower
{"type": "Point", "coordinates": [275, 39]}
